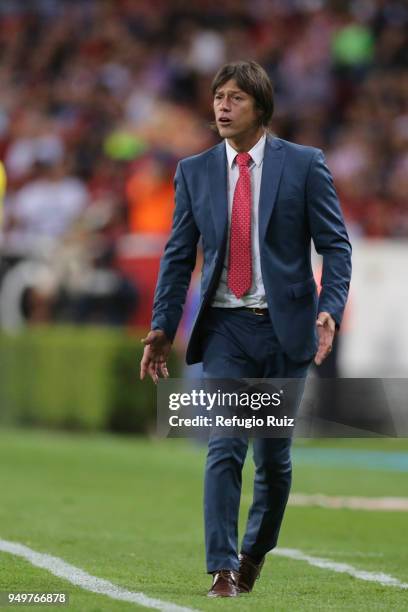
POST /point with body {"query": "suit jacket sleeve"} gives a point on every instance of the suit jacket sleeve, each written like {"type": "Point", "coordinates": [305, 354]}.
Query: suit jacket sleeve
{"type": "Point", "coordinates": [330, 238]}
{"type": "Point", "coordinates": [177, 263]}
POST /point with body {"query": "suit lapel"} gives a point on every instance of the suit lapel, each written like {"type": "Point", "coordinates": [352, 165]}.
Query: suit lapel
{"type": "Point", "coordinates": [217, 180]}
{"type": "Point", "coordinates": [274, 156]}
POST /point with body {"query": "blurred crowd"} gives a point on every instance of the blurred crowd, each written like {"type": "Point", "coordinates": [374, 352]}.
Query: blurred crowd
{"type": "Point", "coordinates": [100, 98]}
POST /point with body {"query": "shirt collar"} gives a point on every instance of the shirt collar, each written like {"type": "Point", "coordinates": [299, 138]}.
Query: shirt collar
{"type": "Point", "coordinates": [257, 151]}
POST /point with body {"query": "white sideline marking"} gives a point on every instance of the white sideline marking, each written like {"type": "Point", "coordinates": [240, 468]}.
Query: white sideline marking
{"type": "Point", "coordinates": [354, 503]}
{"type": "Point", "coordinates": [86, 581]}
{"type": "Point", "coordinates": [342, 568]}
{"type": "Point", "coordinates": [334, 502]}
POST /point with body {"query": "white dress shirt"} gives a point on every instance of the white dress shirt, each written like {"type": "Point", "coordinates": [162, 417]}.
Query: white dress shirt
{"type": "Point", "coordinates": [255, 297]}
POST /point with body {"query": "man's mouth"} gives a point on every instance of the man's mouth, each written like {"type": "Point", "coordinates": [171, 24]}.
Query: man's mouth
{"type": "Point", "coordinates": [224, 121]}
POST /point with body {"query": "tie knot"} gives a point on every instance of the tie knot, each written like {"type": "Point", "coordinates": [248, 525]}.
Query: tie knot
{"type": "Point", "coordinates": [243, 159]}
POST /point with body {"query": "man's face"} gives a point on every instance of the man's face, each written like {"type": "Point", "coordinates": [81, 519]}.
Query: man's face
{"type": "Point", "coordinates": [234, 111]}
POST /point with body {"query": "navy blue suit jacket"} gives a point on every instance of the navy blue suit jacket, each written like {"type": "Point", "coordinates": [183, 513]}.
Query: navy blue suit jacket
{"type": "Point", "coordinates": [298, 202]}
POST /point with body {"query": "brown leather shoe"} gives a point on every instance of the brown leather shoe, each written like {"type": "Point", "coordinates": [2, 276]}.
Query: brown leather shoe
{"type": "Point", "coordinates": [224, 584]}
{"type": "Point", "coordinates": [249, 571]}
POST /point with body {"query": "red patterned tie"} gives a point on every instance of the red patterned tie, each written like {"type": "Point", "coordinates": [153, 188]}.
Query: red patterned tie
{"type": "Point", "coordinates": [240, 259]}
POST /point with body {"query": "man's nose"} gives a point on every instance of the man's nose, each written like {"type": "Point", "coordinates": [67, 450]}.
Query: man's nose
{"type": "Point", "coordinates": [225, 105]}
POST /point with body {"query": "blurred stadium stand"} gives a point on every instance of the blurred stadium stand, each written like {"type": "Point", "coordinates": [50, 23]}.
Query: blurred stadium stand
{"type": "Point", "coordinates": [100, 99]}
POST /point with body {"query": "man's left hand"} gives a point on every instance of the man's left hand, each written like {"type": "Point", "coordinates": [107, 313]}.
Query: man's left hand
{"type": "Point", "coordinates": [326, 327]}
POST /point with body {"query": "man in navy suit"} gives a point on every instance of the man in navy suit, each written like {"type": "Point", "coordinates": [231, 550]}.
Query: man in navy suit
{"type": "Point", "coordinates": [256, 202]}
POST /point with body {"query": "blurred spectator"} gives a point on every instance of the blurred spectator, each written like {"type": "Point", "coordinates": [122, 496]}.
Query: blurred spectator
{"type": "Point", "coordinates": [46, 206]}
{"type": "Point", "coordinates": [150, 195]}
{"type": "Point", "coordinates": [3, 183]}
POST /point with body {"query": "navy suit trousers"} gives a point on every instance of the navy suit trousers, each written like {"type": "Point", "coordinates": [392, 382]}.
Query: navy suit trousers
{"type": "Point", "coordinates": [241, 344]}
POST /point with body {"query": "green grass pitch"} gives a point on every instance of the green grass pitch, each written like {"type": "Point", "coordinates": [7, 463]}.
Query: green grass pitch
{"type": "Point", "coordinates": [130, 510]}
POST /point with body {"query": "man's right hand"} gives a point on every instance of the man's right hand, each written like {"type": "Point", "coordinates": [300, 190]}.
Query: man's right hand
{"type": "Point", "coordinates": [156, 351]}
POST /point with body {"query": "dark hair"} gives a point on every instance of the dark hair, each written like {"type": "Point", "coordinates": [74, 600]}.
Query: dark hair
{"type": "Point", "coordinates": [251, 78]}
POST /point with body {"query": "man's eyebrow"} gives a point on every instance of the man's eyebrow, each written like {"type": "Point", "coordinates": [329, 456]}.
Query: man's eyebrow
{"type": "Point", "coordinates": [240, 91]}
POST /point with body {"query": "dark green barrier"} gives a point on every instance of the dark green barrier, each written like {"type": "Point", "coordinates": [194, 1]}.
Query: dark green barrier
{"type": "Point", "coordinates": [82, 378]}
